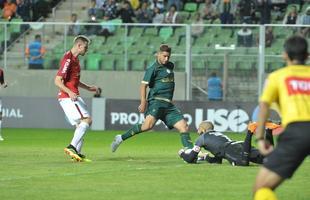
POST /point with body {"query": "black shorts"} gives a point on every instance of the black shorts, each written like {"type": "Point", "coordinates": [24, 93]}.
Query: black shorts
{"type": "Point", "coordinates": [292, 148]}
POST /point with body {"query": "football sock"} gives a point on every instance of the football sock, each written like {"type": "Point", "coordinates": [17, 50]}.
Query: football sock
{"type": "Point", "coordinates": [186, 140]}
{"type": "Point", "coordinates": [79, 146]}
{"type": "Point", "coordinates": [247, 145]}
{"type": "Point", "coordinates": [136, 129]}
{"type": "Point", "coordinates": [79, 133]}
{"type": "Point", "coordinates": [265, 194]}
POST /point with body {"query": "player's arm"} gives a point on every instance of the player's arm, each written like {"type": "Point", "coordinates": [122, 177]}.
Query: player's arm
{"type": "Point", "coordinates": [191, 156]}
{"type": "Point", "coordinates": [59, 83]}
{"type": "Point", "coordinates": [90, 88]}
{"type": "Point", "coordinates": [143, 102]}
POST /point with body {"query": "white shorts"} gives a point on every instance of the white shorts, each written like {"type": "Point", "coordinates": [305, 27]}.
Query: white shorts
{"type": "Point", "coordinates": [74, 110]}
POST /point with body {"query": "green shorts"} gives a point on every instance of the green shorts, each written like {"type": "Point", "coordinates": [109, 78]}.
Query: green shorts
{"type": "Point", "coordinates": [166, 112]}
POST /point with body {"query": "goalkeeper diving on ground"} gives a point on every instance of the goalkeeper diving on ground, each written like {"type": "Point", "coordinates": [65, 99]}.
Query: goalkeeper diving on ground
{"type": "Point", "coordinates": [239, 153]}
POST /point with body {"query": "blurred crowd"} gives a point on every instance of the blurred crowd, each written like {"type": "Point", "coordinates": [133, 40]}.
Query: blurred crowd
{"type": "Point", "coordinates": [27, 10]}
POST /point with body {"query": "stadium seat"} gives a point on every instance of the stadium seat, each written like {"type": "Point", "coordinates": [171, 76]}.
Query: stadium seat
{"type": "Point", "coordinates": [190, 7]}
{"type": "Point", "coordinates": [165, 33]}
{"type": "Point", "coordinates": [93, 62]}
{"type": "Point", "coordinates": [179, 63]}
{"type": "Point", "coordinates": [136, 63]}
{"type": "Point", "coordinates": [108, 62]}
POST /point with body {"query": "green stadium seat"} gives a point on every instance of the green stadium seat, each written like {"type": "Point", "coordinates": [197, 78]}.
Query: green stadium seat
{"type": "Point", "coordinates": [108, 62]}
{"type": "Point", "coordinates": [93, 62]}
{"type": "Point", "coordinates": [165, 33]}
{"type": "Point", "coordinates": [190, 7]}
{"type": "Point", "coordinates": [179, 63]}
{"type": "Point", "coordinates": [136, 63]}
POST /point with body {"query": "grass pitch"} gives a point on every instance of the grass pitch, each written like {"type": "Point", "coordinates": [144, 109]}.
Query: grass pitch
{"type": "Point", "coordinates": [33, 166]}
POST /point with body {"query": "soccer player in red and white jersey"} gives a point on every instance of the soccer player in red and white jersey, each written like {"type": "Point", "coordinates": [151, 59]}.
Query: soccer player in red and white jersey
{"type": "Point", "coordinates": [68, 82]}
{"type": "Point", "coordinates": [4, 85]}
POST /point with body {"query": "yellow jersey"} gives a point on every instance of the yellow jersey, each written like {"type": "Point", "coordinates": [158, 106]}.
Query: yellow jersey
{"type": "Point", "coordinates": [289, 88]}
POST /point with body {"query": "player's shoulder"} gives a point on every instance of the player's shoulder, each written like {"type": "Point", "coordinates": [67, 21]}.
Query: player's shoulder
{"type": "Point", "coordinates": [67, 55]}
{"type": "Point", "coordinates": [170, 65]}
{"type": "Point", "coordinates": [151, 66]}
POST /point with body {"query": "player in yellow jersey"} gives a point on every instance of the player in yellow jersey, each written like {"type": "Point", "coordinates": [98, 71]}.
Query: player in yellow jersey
{"type": "Point", "coordinates": [288, 87]}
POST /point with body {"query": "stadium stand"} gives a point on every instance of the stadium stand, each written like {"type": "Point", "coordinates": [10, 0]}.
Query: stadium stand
{"type": "Point", "coordinates": [135, 51]}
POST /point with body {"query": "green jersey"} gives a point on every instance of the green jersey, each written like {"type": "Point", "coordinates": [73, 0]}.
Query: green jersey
{"type": "Point", "coordinates": [160, 79]}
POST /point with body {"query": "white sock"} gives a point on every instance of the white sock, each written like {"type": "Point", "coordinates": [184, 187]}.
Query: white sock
{"type": "Point", "coordinates": [79, 133]}
{"type": "Point", "coordinates": [79, 146]}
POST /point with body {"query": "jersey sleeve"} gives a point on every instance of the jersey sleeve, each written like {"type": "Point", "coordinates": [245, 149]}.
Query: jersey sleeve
{"type": "Point", "coordinates": [200, 141]}
{"type": "Point", "coordinates": [270, 93]}
{"type": "Point", "coordinates": [148, 76]}
{"type": "Point", "coordinates": [64, 67]}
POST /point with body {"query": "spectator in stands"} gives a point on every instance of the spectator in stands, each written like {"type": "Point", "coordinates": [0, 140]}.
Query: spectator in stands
{"type": "Point", "coordinates": [268, 36]}
{"type": "Point", "coordinates": [35, 53]}
{"type": "Point", "coordinates": [110, 9]}
{"type": "Point", "coordinates": [9, 10]}
{"type": "Point", "coordinates": [197, 29]}
{"type": "Point", "coordinates": [99, 3]}
{"type": "Point", "coordinates": [157, 4]}
{"type": "Point", "coordinates": [291, 16]}
{"type": "Point", "coordinates": [246, 11]}
{"type": "Point", "coordinates": [245, 37]}
{"type": "Point", "coordinates": [134, 4]}
{"type": "Point", "coordinates": [158, 18]}
{"type": "Point", "coordinates": [177, 3]}
{"type": "Point", "coordinates": [208, 11]}
{"type": "Point", "coordinates": [172, 17]}
{"type": "Point", "coordinates": [144, 15]}
{"type": "Point", "coordinates": [304, 19]}
{"type": "Point", "coordinates": [227, 9]}
{"type": "Point", "coordinates": [40, 8]}
{"type": "Point", "coordinates": [2, 2]}
{"type": "Point", "coordinates": [126, 13]}
{"type": "Point", "coordinates": [264, 7]}
{"type": "Point", "coordinates": [214, 88]}
{"type": "Point", "coordinates": [74, 29]}
{"type": "Point", "coordinates": [92, 10]}
{"type": "Point", "coordinates": [107, 29]}
{"type": "Point", "coordinates": [23, 9]}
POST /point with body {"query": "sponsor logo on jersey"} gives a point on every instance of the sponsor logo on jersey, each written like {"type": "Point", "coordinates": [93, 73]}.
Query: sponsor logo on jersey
{"type": "Point", "coordinates": [298, 85]}
{"type": "Point", "coordinates": [66, 65]}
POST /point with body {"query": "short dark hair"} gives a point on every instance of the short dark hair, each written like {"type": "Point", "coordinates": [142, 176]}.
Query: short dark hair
{"type": "Point", "coordinates": [165, 48]}
{"type": "Point", "coordinates": [296, 48]}
{"type": "Point", "coordinates": [82, 38]}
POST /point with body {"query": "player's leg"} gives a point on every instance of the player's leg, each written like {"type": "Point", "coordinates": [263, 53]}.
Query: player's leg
{"type": "Point", "coordinates": [148, 124]}
{"type": "Point", "coordinates": [267, 179]}
{"type": "Point", "coordinates": [268, 136]}
{"type": "Point", "coordinates": [1, 138]}
{"type": "Point", "coordinates": [247, 147]}
{"type": "Point", "coordinates": [77, 114]}
{"type": "Point", "coordinates": [182, 127]}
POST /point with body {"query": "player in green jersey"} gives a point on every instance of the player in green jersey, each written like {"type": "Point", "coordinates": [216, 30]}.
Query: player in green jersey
{"type": "Point", "coordinates": [159, 77]}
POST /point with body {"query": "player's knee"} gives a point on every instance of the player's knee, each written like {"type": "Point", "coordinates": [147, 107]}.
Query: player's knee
{"type": "Point", "coordinates": [184, 128]}
{"type": "Point", "coordinates": [88, 120]}
{"type": "Point", "coordinates": [146, 126]}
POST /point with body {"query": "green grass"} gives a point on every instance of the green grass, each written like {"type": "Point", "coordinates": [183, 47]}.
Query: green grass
{"type": "Point", "coordinates": [33, 166]}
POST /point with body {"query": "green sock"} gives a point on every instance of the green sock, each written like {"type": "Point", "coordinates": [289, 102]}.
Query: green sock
{"type": "Point", "coordinates": [186, 140]}
{"type": "Point", "coordinates": [136, 129]}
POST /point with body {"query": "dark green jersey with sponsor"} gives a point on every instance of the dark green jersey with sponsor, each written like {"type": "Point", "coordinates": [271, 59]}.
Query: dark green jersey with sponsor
{"type": "Point", "coordinates": [160, 79]}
